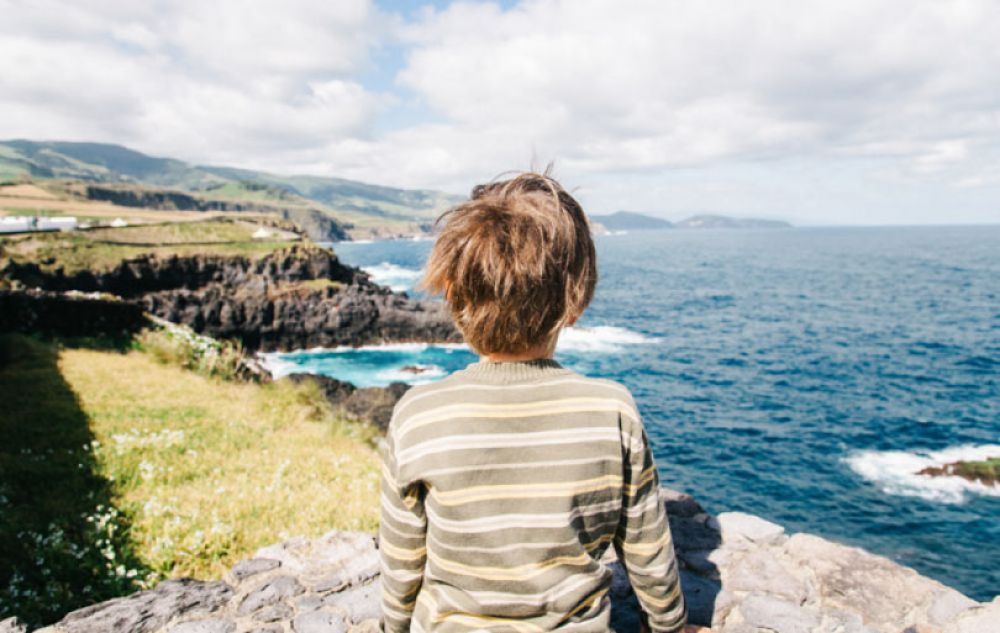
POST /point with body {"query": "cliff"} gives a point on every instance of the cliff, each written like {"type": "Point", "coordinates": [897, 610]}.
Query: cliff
{"type": "Point", "coordinates": [740, 574]}
{"type": "Point", "coordinates": [296, 297]}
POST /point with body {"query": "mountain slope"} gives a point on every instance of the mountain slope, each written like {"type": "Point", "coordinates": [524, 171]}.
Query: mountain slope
{"type": "Point", "coordinates": [629, 221]}
{"type": "Point", "coordinates": [352, 201]}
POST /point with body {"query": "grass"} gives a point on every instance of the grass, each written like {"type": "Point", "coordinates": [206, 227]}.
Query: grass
{"type": "Point", "coordinates": [181, 474]}
{"type": "Point", "coordinates": [987, 470]}
{"type": "Point", "coordinates": [102, 249]}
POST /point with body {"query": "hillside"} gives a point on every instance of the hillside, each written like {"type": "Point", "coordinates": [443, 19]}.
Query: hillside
{"type": "Point", "coordinates": [362, 209]}
{"type": "Point", "coordinates": [630, 221]}
{"type": "Point", "coordinates": [709, 221]}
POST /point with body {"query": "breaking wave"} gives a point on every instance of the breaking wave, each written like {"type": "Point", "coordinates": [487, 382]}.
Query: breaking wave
{"type": "Point", "coordinates": [601, 339]}
{"type": "Point", "coordinates": [895, 472]}
{"type": "Point", "coordinates": [398, 278]}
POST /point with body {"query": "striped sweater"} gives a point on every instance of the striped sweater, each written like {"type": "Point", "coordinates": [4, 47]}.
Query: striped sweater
{"type": "Point", "coordinates": [503, 486]}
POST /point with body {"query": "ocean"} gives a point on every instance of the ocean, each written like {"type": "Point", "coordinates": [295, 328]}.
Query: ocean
{"type": "Point", "coordinates": [804, 375]}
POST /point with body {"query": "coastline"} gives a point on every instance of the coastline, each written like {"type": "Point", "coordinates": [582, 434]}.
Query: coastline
{"type": "Point", "coordinates": [739, 573]}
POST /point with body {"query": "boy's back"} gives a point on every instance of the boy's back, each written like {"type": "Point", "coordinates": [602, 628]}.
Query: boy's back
{"type": "Point", "coordinates": [504, 484]}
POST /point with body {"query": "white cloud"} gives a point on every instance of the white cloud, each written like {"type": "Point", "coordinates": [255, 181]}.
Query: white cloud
{"type": "Point", "coordinates": [655, 84]}
{"type": "Point", "coordinates": [888, 97]}
{"type": "Point", "coordinates": [218, 81]}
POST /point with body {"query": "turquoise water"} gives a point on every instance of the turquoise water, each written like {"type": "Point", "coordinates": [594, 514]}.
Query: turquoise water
{"type": "Point", "coordinates": [804, 375]}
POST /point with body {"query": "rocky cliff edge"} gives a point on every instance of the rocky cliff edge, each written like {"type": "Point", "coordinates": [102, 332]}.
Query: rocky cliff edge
{"type": "Point", "coordinates": [740, 574]}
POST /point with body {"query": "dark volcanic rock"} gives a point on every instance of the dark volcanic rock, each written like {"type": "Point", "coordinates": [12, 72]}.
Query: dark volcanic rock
{"type": "Point", "coordinates": [371, 404]}
{"type": "Point", "coordinates": [53, 313]}
{"type": "Point", "coordinates": [375, 404]}
{"type": "Point", "coordinates": [297, 297]}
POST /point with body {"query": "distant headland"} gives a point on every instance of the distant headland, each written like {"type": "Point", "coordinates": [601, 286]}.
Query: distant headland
{"type": "Point", "coordinates": [631, 221]}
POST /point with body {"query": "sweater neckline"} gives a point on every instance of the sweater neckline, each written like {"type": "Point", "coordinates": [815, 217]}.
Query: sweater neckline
{"type": "Point", "coordinates": [513, 371]}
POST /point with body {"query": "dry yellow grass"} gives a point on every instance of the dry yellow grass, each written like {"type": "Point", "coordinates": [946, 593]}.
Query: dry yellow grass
{"type": "Point", "coordinates": [22, 205]}
{"type": "Point", "coordinates": [26, 190]}
{"type": "Point", "coordinates": [212, 470]}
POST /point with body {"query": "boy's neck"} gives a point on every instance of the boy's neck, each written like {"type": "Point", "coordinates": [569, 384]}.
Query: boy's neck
{"type": "Point", "coordinates": [545, 351]}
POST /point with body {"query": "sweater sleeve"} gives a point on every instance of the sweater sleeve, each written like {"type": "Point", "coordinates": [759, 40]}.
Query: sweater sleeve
{"type": "Point", "coordinates": [402, 543]}
{"type": "Point", "coordinates": [643, 540]}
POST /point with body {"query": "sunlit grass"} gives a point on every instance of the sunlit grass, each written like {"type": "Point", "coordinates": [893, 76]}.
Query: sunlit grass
{"type": "Point", "coordinates": [210, 470]}
{"type": "Point", "coordinates": [102, 249]}
{"type": "Point", "coordinates": [118, 470]}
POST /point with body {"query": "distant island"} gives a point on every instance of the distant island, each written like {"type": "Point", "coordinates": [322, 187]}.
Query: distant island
{"type": "Point", "coordinates": [709, 221]}
{"type": "Point", "coordinates": [632, 221]}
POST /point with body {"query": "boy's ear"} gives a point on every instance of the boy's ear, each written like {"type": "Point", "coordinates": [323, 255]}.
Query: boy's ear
{"type": "Point", "coordinates": [572, 319]}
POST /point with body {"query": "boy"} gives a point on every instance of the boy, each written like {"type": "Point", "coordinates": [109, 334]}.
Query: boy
{"type": "Point", "coordinates": [505, 483]}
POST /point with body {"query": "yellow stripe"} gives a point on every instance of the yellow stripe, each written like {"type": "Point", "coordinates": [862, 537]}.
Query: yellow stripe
{"type": "Point", "coordinates": [600, 540]}
{"type": "Point", "coordinates": [525, 491]}
{"type": "Point", "coordinates": [647, 476]}
{"type": "Point", "coordinates": [647, 548]}
{"type": "Point", "coordinates": [402, 553]}
{"type": "Point", "coordinates": [660, 603]}
{"type": "Point", "coordinates": [392, 600]}
{"type": "Point", "coordinates": [586, 603]}
{"type": "Point", "coordinates": [479, 620]}
{"type": "Point", "coordinates": [520, 572]}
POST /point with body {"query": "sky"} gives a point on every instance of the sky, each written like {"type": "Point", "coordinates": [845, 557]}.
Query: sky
{"type": "Point", "coordinates": [816, 112]}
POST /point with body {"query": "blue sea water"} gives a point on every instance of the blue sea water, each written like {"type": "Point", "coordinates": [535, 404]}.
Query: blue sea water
{"type": "Point", "coordinates": [803, 375]}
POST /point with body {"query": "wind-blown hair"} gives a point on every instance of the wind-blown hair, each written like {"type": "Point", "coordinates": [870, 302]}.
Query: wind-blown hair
{"type": "Point", "coordinates": [516, 262]}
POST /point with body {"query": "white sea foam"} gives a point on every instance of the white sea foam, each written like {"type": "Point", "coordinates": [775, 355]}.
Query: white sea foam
{"type": "Point", "coordinates": [396, 277]}
{"type": "Point", "coordinates": [398, 374]}
{"type": "Point", "coordinates": [275, 363]}
{"type": "Point", "coordinates": [895, 472]}
{"type": "Point", "coordinates": [601, 339]}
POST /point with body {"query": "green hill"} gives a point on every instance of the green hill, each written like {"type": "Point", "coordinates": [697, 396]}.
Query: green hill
{"type": "Point", "coordinates": [356, 203]}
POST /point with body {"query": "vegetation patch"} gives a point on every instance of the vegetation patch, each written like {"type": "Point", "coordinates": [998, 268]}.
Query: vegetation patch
{"type": "Point", "coordinates": [121, 468]}
{"type": "Point", "coordinates": [986, 471]}
{"type": "Point", "coordinates": [102, 249]}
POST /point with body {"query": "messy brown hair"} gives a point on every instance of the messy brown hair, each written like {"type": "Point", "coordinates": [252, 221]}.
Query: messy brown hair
{"type": "Point", "coordinates": [516, 262]}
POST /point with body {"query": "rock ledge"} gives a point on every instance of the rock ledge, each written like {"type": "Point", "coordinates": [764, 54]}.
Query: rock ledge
{"type": "Point", "coordinates": [741, 574]}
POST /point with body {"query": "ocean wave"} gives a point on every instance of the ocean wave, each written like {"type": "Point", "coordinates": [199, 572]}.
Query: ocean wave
{"type": "Point", "coordinates": [396, 277]}
{"type": "Point", "coordinates": [895, 472]}
{"type": "Point", "coordinates": [427, 373]}
{"type": "Point", "coordinates": [600, 338]}
{"type": "Point", "coordinates": [278, 366]}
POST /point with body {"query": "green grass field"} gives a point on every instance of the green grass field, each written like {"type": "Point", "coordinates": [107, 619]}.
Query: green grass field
{"type": "Point", "coordinates": [118, 469]}
{"type": "Point", "coordinates": [102, 249]}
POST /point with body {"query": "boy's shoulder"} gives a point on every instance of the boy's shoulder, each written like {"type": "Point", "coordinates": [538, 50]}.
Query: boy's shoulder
{"type": "Point", "coordinates": [455, 390]}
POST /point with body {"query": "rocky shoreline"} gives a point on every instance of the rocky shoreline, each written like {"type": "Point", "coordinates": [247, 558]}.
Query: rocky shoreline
{"type": "Point", "coordinates": [740, 574]}
{"type": "Point", "coordinates": [297, 297]}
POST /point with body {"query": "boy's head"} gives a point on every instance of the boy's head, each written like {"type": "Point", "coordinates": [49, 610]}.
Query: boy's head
{"type": "Point", "coordinates": [516, 263]}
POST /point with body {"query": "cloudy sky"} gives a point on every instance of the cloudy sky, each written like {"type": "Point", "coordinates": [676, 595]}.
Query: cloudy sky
{"type": "Point", "coordinates": [847, 112]}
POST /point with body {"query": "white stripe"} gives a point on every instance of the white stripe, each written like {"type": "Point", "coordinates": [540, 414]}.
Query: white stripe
{"type": "Point", "coordinates": [401, 575]}
{"type": "Point", "coordinates": [535, 408]}
{"type": "Point", "coordinates": [506, 440]}
{"type": "Point", "coordinates": [641, 508]}
{"type": "Point", "coordinates": [568, 585]}
{"type": "Point", "coordinates": [573, 380]}
{"type": "Point", "coordinates": [549, 520]}
{"type": "Point", "coordinates": [519, 466]}
{"type": "Point", "coordinates": [407, 535]}
{"type": "Point", "coordinates": [400, 516]}
{"type": "Point", "coordinates": [500, 548]}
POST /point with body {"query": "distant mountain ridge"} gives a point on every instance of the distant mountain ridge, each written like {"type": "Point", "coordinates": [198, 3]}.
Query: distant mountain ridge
{"type": "Point", "coordinates": [109, 163]}
{"type": "Point", "coordinates": [714, 221]}
{"type": "Point", "coordinates": [631, 221]}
